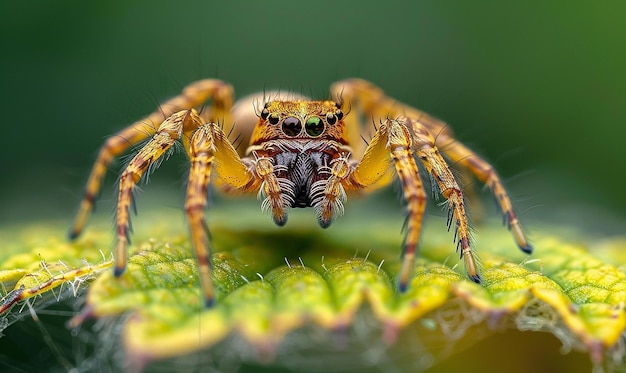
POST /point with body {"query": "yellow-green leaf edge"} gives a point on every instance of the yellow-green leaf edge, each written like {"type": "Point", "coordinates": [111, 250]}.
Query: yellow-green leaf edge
{"type": "Point", "coordinates": [274, 281]}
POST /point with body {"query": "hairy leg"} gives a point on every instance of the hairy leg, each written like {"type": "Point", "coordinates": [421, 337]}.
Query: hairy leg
{"type": "Point", "coordinates": [166, 135]}
{"type": "Point", "coordinates": [394, 138]}
{"type": "Point", "coordinates": [428, 154]}
{"type": "Point", "coordinates": [208, 147]}
{"type": "Point", "coordinates": [194, 95]}
{"type": "Point", "coordinates": [460, 154]}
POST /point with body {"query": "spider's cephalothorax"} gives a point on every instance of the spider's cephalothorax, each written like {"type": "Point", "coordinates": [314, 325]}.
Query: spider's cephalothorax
{"type": "Point", "coordinates": [302, 140]}
{"type": "Point", "coordinates": [301, 153]}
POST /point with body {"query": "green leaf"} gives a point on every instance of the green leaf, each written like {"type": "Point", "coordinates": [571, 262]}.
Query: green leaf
{"type": "Point", "coordinates": [274, 285]}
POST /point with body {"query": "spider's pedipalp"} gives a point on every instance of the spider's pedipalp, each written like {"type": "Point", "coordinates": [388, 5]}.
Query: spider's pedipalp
{"type": "Point", "coordinates": [271, 191]}
{"type": "Point", "coordinates": [329, 204]}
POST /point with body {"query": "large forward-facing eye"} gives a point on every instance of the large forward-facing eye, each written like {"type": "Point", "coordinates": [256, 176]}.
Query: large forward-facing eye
{"type": "Point", "coordinates": [291, 126]}
{"type": "Point", "coordinates": [314, 126]}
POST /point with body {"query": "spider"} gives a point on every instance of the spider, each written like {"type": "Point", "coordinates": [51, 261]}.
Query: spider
{"type": "Point", "coordinates": [301, 153]}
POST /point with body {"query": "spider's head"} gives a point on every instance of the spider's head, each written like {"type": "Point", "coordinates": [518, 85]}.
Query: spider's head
{"type": "Point", "coordinates": [303, 120]}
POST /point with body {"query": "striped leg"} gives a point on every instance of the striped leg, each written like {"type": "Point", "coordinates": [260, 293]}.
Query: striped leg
{"type": "Point", "coordinates": [194, 95]}
{"type": "Point", "coordinates": [404, 138]}
{"type": "Point", "coordinates": [201, 157]}
{"type": "Point", "coordinates": [414, 195]}
{"type": "Point", "coordinates": [428, 154]}
{"type": "Point", "coordinates": [392, 136]}
{"type": "Point", "coordinates": [167, 134]}
{"type": "Point", "coordinates": [486, 174]}
{"type": "Point", "coordinates": [209, 146]}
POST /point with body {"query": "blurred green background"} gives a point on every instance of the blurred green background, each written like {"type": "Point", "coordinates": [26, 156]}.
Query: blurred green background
{"type": "Point", "coordinates": [538, 89]}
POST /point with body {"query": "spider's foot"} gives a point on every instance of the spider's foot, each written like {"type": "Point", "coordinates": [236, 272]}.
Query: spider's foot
{"type": "Point", "coordinates": [528, 248]}
{"type": "Point", "coordinates": [475, 277]}
{"type": "Point", "coordinates": [521, 240]}
{"type": "Point", "coordinates": [518, 234]}
{"type": "Point", "coordinates": [81, 217]}
{"type": "Point", "coordinates": [406, 271]}
{"type": "Point", "coordinates": [469, 260]}
{"type": "Point", "coordinates": [118, 271]}
{"type": "Point", "coordinates": [73, 234]}
{"type": "Point", "coordinates": [209, 302]}
{"type": "Point", "coordinates": [402, 286]}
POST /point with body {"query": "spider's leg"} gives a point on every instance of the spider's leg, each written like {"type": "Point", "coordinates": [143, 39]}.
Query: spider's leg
{"type": "Point", "coordinates": [113, 147]}
{"type": "Point", "coordinates": [428, 154]}
{"type": "Point", "coordinates": [362, 99]}
{"type": "Point", "coordinates": [467, 180]}
{"type": "Point", "coordinates": [393, 137]}
{"type": "Point", "coordinates": [209, 146]}
{"type": "Point", "coordinates": [487, 175]}
{"type": "Point", "coordinates": [194, 95]}
{"type": "Point", "coordinates": [371, 102]}
{"type": "Point", "coordinates": [167, 134]}
{"type": "Point", "coordinates": [414, 195]}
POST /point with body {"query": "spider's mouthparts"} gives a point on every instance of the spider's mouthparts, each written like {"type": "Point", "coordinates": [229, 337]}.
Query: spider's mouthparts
{"type": "Point", "coordinates": [302, 199]}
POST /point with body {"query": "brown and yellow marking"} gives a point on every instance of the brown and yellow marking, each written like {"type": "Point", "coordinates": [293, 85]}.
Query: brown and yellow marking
{"type": "Point", "coordinates": [301, 153]}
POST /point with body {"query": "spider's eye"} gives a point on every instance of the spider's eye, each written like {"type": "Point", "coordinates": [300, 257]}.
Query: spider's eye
{"type": "Point", "coordinates": [339, 114]}
{"type": "Point", "coordinates": [291, 126]}
{"type": "Point", "coordinates": [265, 113]}
{"type": "Point", "coordinates": [331, 118]}
{"type": "Point", "coordinates": [314, 126]}
{"type": "Point", "coordinates": [274, 118]}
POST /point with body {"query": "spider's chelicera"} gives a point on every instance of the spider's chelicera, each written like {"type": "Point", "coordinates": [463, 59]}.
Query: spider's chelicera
{"type": "Point", "coordinates": [301, 153]}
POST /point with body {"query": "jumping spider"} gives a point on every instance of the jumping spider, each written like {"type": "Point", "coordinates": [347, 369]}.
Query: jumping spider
{"type": "Point", "coordinates": [301, 153]}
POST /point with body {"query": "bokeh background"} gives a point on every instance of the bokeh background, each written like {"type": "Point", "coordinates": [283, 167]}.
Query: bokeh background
{"type": "Point", "coordinates": [537, 88]}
